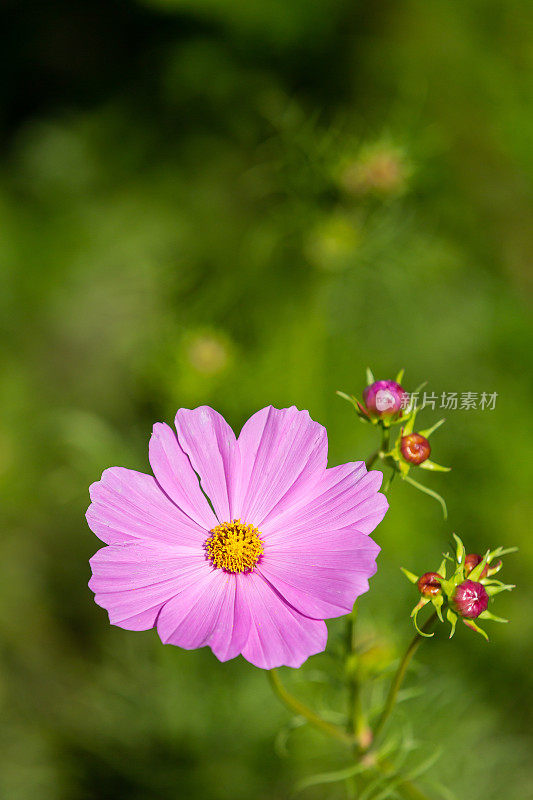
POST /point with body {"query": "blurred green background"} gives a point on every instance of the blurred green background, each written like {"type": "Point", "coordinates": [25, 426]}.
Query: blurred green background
{"type": "Point", "coordinates": [243, 203]}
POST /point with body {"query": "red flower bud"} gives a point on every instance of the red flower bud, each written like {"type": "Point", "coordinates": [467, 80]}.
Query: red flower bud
{"type": "Point", "coordinates": [385, 400]}
{"type": "Point", "coordinates": [471, 561]}
{"type": "Point", "coordinates": [415, 448]}
{"type": "Point", "coordinates": [470, 599]}
{"type": "Point", "coordinates": [429, 584]}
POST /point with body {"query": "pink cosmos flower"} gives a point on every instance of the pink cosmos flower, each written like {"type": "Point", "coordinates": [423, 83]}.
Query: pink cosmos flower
{"type": "Point", "coordinates": [284, 546]}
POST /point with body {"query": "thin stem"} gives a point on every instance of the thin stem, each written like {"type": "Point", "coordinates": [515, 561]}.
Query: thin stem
{"type": "Point", "coordinates": [400, 675]}
{"type": "Point", "coordinates": [430, 492]}
{"type": "Point", "coordinates": [357, 724]}
{"type": "Point", "coordinates": [383, 450]}
{"type": "Point", "coordinates": [302, 710]}
{"type": "Point", "coordinates": [389, 481]}
{"type": "Point", "coordinates": [372, 459]}
{"type": "Point", "coordinates": [406, 789]}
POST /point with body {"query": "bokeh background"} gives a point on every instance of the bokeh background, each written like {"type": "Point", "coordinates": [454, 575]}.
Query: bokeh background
{"type": "Point", "coordinates": [243, 203]}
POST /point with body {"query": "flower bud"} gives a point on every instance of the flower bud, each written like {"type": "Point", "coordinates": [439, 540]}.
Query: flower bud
{"type": "Point", "coordinates": [470, 599]}
{"type": "Point", "coordinates": [385, 400]}
{"type": "Point", "coordinates": [471, 561]}
{"type": "Point", "coordinates": [415, 448]}
{"type": "Point", "coordinates": [429, 584]}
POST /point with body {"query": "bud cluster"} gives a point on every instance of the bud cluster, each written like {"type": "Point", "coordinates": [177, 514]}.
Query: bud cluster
{"type": "Point", "coordinates": [386, 403]}
{"type": "Point", "coordinates": [466, 593]}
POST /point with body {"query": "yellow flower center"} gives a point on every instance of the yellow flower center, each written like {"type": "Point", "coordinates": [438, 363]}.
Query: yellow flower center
{"type": "Point", "coordinates": [234, 547]}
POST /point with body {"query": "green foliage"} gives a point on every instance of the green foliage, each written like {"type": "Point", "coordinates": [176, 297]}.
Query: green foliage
{"type": "Point", "coordinates": [240, 204]}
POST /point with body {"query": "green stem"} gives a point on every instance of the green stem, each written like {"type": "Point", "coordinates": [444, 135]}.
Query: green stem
{"type": "Point", "coordinates": [357, 724]}
{"type": "Point", "coordinates": [385, 444]}
{"type": "Point", "coordinates": [373, 458]}
{"type": "Point", "coordinates": [430, 492]}
{"type": "Point", "coordinates": [400, 675]}
{"type": "Point", "coordinates": [406, 789]}
{"type": "Point", "coordinates": [297, 707]}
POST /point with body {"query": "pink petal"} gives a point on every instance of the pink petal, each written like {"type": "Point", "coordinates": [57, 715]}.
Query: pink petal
{"type": "Point", "coordinates": [134, 581]}
{"type": "Point", "coordinates": [283, 451]}
{"type": "Point", "coordinates": [128, 506]}
{"type": "Point", "coordinates": [177, 478]}
{"type": "Point", "coordinates": [344, 496]}
{"type": "Point", "coordinates": [279, 635]}
{"type": "Point", "coordinates": [210, 444]}
{"type": "Point", "coordinates": [209, 613]}
{"type": "Point", "coordinates": [321, 574]}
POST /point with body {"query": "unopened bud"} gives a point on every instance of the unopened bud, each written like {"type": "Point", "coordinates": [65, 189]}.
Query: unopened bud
{"type": "Point", "coordinates": [471, 561]}
{"type": "Point", "coordinates": [415, 448]}
{"type": "Point", "coordinates": [470, 599]}
{"type": "Point", "coordinates": [429, 584]}
{"type": "Point", "coordinates": [385, 399]}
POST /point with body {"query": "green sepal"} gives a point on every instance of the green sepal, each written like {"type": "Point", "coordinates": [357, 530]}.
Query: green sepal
{"type": "Point", "coordinates": [494, 570]}
{"type": "Point", "coordinates": [475, 574]}
{"type": "Point", "coordinates": [409, 575]}
{"type": "Point", "coordinates": [437, 601]}
{"type": "Point", "coordinates": [401, 420]}
{"type": "Point", "coordinates": [448, 587]}
{"type": "Point", "coordinates": [410, 424]}
{"type": "Point", "coordinates": [359, 409]}
{"type": "Point", "coordinates": [442, 569]}
{"type": "Point", "coordinates": [414, 614]}
{"type": "Point", "coordinates": [350, 398]}
{"type": "Point", "coordinates": [403, 466]}
{"type": "Point", "coordinates": [493, 588]}
{"type": "Point", "coordinates": [452, 618]}
{"type": "Point", "coordinates": [460, 549]}
{"type": "Point", "coordinates": [427, 464]}
{"type": "Point", "coordinates": [501, 551]}
{"type": "Point", "coordinates": [473, 627]}
{"type": "Point", "coordinates": [399, 376]}
{"type": "Point", "coordinates": [493, 617]}
{"type": "Point", "coordinates": [370, 377]}
{"type": "Point", "coordinates": [425, 490]}
{"type": "Point", "coordinates": [428, 431]}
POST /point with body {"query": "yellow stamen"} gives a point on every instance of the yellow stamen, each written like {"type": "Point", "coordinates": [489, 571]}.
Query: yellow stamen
{"type": "Point", "coordinates": [234, 547]}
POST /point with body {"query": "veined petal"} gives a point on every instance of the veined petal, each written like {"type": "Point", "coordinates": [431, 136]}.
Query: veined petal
{"type": "Point", "coordinates": [211, 446]}
{"type": "Point", "coordinates": [133, 582]}
{"type": "Point", "coordinates": [128, 506]}
{"type": "Point", "coordinates": [281, 452]}
{"type": "Point", "coordinates": [279, 635]}
{"type": "Point", "coordinates": [177, 478]}
{"type": "Point", "coordinates": [209, 613]}
{"type": "Point", "coordinates": [344, 496]}
{"type": "Point", "coordinates": [321, 574]}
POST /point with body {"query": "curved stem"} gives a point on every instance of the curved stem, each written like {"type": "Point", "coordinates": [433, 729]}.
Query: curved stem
{"type": "Point", "coordinates": [400, 675]}
{"type": "Point", "coordinates": [406, 789]}
{"type": "Point", "coordinates": [430, 492]}
{"type": "Point", "coordinates": [302, 710]}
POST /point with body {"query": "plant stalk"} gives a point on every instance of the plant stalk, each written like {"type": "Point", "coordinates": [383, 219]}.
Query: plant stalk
{"type": "Point", "coordinates": [400, 675]}
{"type": "Point", "coordinates": [314, 719]}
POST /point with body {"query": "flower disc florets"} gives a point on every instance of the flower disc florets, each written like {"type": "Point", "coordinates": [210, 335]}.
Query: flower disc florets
{"type": "Point", "coordinates": [384, 400]}
{"type": "Point", "coordinates": [234, 547]}
{"type": "Point", "coordinates": [415, 448]}
{"type": "Point", "coordinates": [470, 599]}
